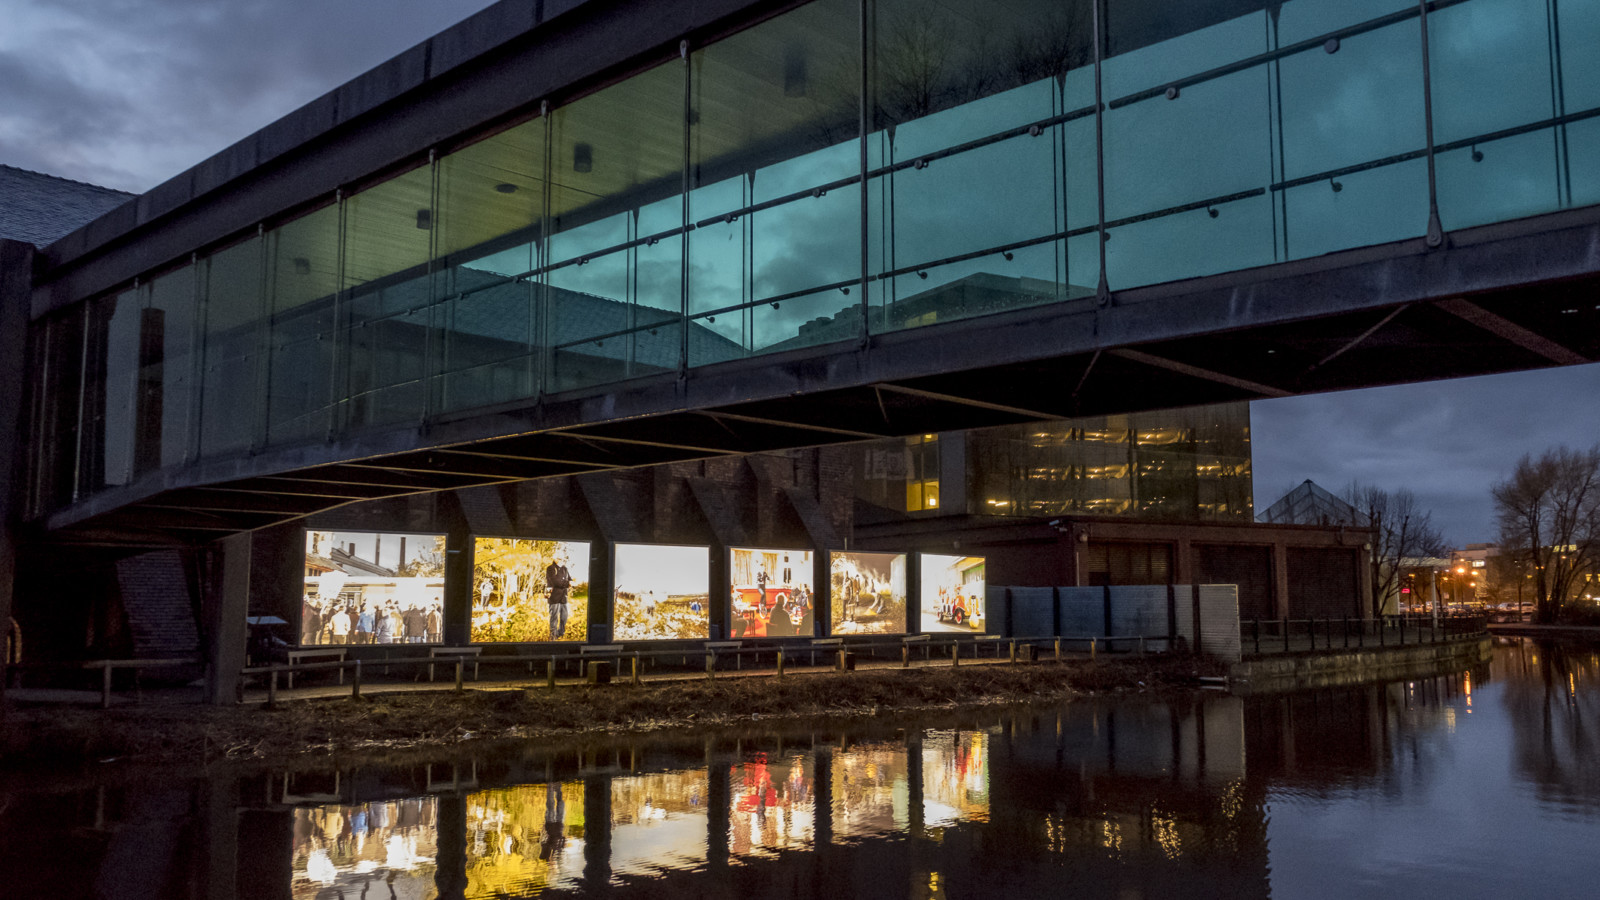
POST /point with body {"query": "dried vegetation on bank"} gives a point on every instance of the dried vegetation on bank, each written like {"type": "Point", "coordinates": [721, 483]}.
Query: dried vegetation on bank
{"type": "Point", "coordinates": [389, 721]}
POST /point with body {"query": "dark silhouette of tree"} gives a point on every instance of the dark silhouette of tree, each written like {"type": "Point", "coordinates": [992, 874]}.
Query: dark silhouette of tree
{"type": "Point", "coordinates": [1549, 517]}
{"type": "Point", "coordinates": [1401, 529]}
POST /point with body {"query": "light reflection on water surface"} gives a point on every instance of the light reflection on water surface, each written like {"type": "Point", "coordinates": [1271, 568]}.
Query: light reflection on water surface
{"type": "Point", "coordinates": [1475, 783]}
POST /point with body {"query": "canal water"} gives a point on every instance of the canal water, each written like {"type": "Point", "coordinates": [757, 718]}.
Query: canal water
{"type": "Point", "coordinates": [1477, 783]}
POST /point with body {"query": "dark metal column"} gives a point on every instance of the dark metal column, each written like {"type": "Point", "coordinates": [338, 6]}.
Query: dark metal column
{"type": "Point", "coordinates": [16, 278]}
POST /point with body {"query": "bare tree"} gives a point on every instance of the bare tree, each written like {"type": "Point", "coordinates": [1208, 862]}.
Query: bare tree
{"type": "Point", "coordinates": [1401, 529]}
{"type": "Point", "coordinates": [1549, 515]}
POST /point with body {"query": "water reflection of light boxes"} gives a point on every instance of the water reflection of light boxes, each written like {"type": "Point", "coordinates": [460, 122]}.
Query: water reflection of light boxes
{"type": "Point", "coordinates": [772, 804]}
{"type": "Point", "coordinates": [868, 593]}
{"type": "Point", "coordinates": [953, 593]}
{"type": "Point", "coordinates": [511, 589]}
{"type": "Point", "coordinates": [773, 592]}
{"type": "Point", "coordinates": [525, 839]}
{"type": "Point", "coordinates": [871, 790]}
{"type": "Point", "coordinates": [379, 846]}
{"type": "Point", "coordinates": [661, 592]}
{"type": "Point", "coordinates": [955, 778]}
{"type": "Point", "coordinates": [365, 577]}
{"type": "Point", "coordinates": [658, 821]}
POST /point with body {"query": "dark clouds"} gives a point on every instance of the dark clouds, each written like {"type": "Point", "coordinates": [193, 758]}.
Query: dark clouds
{"type": "Point", "coordinates": [1448, 441]}
{"type": "Point", "coordinates": [128, 93]}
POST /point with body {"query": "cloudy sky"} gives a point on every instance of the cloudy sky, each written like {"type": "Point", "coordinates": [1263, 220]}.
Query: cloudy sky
{"type": "Point", "coordinates": [128, 93]}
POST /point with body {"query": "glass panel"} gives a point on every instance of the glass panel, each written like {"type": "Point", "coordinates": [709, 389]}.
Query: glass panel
{"type": "Point", "coordinates": [1579, 23]}
{"type": "Point", "coordinates": [91, 453]}
{"type": "Point", "coordinates": [388, 235]}
{"type": "Point", "coordinates": [491, 206]}
{"type": "Point", "coordinates": [996, 173]}
{"type": "Point", "coordinates": [616, 182]}
{"type": "Point", "coordinates": [303, 265]}
{"type": "Point", "coordinates": [1186, 181]}
{"type": "Point", "coordinates": [1358, 209]}
{"type": "Point", "coordinates": [1360, 104]}
{"type": "Point", "coordinates": [1305, 19]}
{"type": "Point", "coordinates": [1583, 161]}
{"type": "Point", "coordinates": [1499, 180]}
{"type": "Point", "coordinates": [167, 364]}
{"type": "Point", "coordinates": [1152, 42]}
{"type": "Point", "coordinates": [60, 395]}
{"type": "Point", "coordinates": [775, 120]}
{"type": "Point", "coordinates": [121, 395]}
{"type": "Point", "coordinates": [234, 327]}
{"type": "Point", "coordinates": [1186, 169]}
{"type": "Point", "coordinates": [1491, 67]}
{"type": "Point", "coordinates": [1222, 237]}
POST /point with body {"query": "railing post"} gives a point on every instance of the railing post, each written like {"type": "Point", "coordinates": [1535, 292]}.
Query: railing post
{"type": "Point", "coordinates": [105, 686]}
{"type": "Point", "coordinates": [780, 662]}
{"type": "Point", "coordinates": [272, 687]}
{"type": "Point", "coordinates": [550, 673]}
{"type": "Point", "coordinates": [1058, 649]}
{"type": "Point", "coordinates": [1013, 652]}
{"type": "Point", "coordinates": [711, 665]}
{"type": "Point", "coordinates": [955, 654]}
{"type": "Point", "coordinates": [461, 668]}
{"type": "Point", "coordinates": [905, 656]}
{"type": "Point", "coordinates": [635, 678]}
{"type": "Point", "coordinates": [1255, 628]}
{"type": "Point", "coordinates": [1094, 647]}
{"type": "Point", "coordinates": [355, 682]}
{"type": "Point", "coordinates": [1285, 626]}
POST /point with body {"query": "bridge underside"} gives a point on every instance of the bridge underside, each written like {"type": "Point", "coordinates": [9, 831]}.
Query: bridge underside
{"type": "Point", "coordinates": [1500, 298]}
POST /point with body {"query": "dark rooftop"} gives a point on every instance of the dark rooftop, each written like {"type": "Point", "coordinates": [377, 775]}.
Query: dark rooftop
{"type": "Point", "coordinates": [40, 208]}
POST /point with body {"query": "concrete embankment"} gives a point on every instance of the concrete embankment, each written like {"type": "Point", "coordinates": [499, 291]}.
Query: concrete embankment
{"type": "Point", "coordinates": [1333, 668]}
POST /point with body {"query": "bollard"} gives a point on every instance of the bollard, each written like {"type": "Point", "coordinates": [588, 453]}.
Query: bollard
{"type": "Point", "coordinates": [905, 656]}
{"type": "Point", "coordinates": [1013, 653]}
{"type": "Point", "coordinates": [711, 665]}
{"type": "Point", "coordinates": [461, 668]}
{"type": "Point", "coordinates": [355, 682]}
{"type": "Point", "coordinates": [272, 688]}
{"type": "Point", "coordinates": [1058, 649]}
{"type": "Point", "coordinates": [105, 687]}
{"type": "Point", "coordinates": [1141, 645]}
{"type": "Point", "coordinates": [780, 662]}
{"type": "Point", "coordinates": [1094, 645]}
{"type": "Point", "coordinates": [635, 678]}
{"type": "Point", "coordinates": [550, 674]}
{"type": "Point", "coordinates": [955, 654]}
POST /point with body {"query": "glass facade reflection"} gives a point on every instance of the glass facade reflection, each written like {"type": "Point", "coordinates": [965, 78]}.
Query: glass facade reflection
{"type": "Point", "coordinates": [1182, 464]}
{"type": "Point", "coordinates": [804, 181]}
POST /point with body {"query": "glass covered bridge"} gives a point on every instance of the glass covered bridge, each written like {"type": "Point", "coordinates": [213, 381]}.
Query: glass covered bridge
{"type": "Point", "coordinates": [573, 236]}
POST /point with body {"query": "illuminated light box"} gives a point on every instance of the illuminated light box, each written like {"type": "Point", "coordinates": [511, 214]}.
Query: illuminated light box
{"type": "Point", "coordinates": [772, 593]}
{"type": "Point", "coordinates": [663, 592]}
{"type": "Point", "coordinates": [953, 594]}
{"type": "Point", "coordinates": [364, 587]}
{"type": "Point", "coordinates": [868, 593]}
{"type": "Point", "coordinates": [517, 584]}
